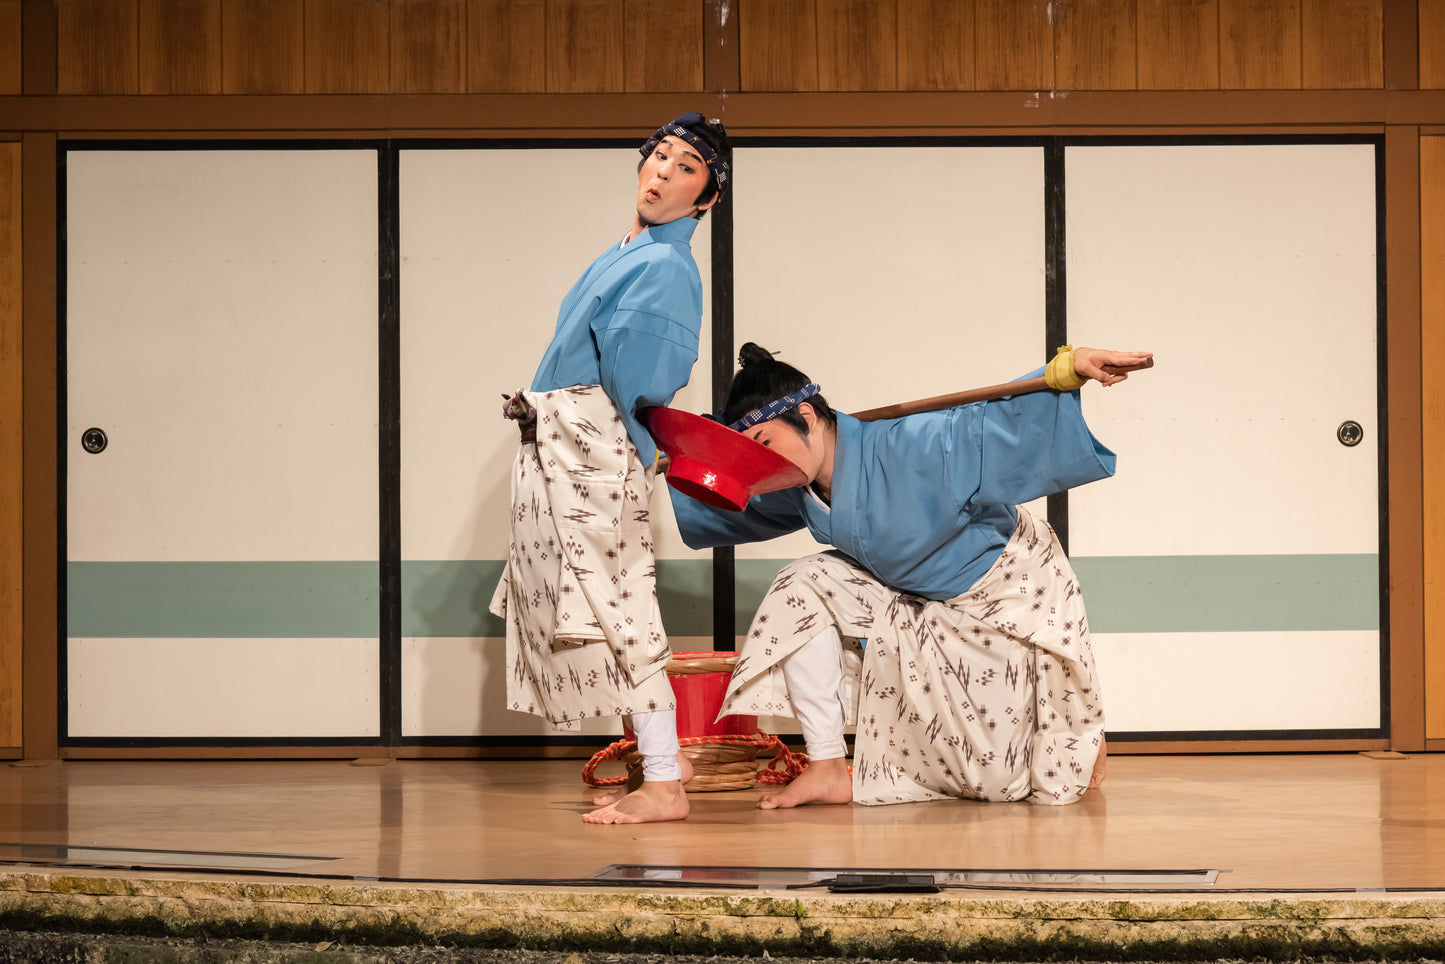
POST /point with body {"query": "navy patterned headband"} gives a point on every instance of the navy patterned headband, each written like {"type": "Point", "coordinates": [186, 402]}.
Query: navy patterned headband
{"type": "Point", "coordinates": [683, 129]}
{"type": "Point", "coordinates": [776, 408]}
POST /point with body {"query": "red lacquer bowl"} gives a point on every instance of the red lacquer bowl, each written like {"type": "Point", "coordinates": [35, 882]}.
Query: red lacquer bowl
{"type": "Point", "coordinates": [714, 464]}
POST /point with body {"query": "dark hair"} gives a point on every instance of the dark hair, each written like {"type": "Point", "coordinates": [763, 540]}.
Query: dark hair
{"type": "Point", "coordinates": [716, 137]}
{"type": "Point", "coordinates": [763, 379]}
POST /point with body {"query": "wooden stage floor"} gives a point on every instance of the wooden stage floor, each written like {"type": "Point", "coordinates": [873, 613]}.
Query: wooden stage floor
{"type": "Point", "coordinates": [1273, 822]}
{"type": "Point", "coordinates": [1325, 853]}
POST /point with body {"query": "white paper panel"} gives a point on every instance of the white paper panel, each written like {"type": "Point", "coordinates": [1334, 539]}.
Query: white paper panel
{"type": "Point", "coordinates": [1251, 272]}
{"type": "Point", "coordinates": [221, 325]}
{"type": "Point", "coordinates": [491, 241]}
{"type": "Point", "coordinates": [457, 686]}
{"type": "Point", "coordinates": [1239, 681]}
{"type": "Point", "coordinates": [911, 272]}
{"type": "Point", "coordinates": [222, 688]}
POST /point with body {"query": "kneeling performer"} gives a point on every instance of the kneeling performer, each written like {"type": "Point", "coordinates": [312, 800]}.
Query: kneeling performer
{"type": "Point", "coordinates": [947, 624]}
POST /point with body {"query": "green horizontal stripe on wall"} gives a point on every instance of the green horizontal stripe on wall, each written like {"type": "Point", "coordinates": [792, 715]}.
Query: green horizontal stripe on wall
{"type": "Point", "coordinates": [239, 600]}
{"type": "Point", "coordinates": [222, 599]}
{"type": "Point", "coordinates": [751, 578]}
{"type": "Point", "coordinates": [451, 598]}
{"type": "Point", "coordinates": [1192, 594]}
{"type": "Point", "coordinates": [1124, 594]}
{"type": "Point", "coordinates": [1196, 594]}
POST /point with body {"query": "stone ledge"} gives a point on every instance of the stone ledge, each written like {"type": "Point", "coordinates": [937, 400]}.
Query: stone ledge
{"type": "Point", "coordinates": [954, 924]}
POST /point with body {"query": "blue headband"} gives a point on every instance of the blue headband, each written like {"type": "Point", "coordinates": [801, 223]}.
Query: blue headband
{"type": "Point", "coordinates": [684, 129]}
{"type": "Point", "coordinates": [774, 409]}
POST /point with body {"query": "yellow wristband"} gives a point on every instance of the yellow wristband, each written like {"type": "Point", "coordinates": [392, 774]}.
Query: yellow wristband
{"type": "Point", "coordinates": [1060, 374]}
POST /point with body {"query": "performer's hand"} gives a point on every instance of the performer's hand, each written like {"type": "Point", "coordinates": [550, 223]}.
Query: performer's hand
{"type": "Point", "coordinates": [1089, 362]}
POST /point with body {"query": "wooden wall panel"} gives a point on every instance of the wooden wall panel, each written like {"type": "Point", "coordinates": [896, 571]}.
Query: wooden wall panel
{"type": "Point", "coordinates": [428, 46]}
{"type": "Point", "coordinates": [97, 47]}
{"type": "Point", "coordinates": [1259, 44]}
{"type": "Point", "coordinates": [1432, 360]}
{"type": "Point", "coordinates": [262, 48]}
{"type": "Point", "coordinates": [585, 46]}
{"type": "Point", "coordinates": [1342, 44]}
{"type": "Point", "coordinates": [857, 44]}
{"type": "Point", "coordinates": [1178, 44]}
{"type": "Point", "coordinates": [416, 46]}
{"type": "Point", "coordinates": [721, 63]}
{"type": "Point", "coordinates": [11, 439]}
{"type": "Point", "coordinates": [1097, 45]}
{"type": "Point", "coordinates": [778, 41]}
{"type": "Point", "coordinates": [10, 84]}
{"type": "Point", "coordinates": [1014, 45]}
{"type": "Point", "coordinates": [179, 46]}
{"type": "Point", "coordinates": [506, 46]}
{"type": "Point", "coordinates": [1400, 44]}
{"type": "Point", "coordinates": [39, 40]}
{"type": "Point", "coordinates": [664, 45]}
{"type": "Point", "coordinates": [347, 49]}
{"type": "Point", "coordinates": [1432, 44]}
{"type": "Point", "coordinates": [935, 44]}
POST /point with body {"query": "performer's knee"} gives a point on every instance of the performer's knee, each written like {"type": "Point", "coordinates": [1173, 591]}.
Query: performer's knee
{"type": "Point", "coordinates": [808, 568]}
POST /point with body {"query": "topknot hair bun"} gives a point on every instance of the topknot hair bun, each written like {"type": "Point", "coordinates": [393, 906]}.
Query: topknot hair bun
{"type": "Point", "coordinates": [752, 354]}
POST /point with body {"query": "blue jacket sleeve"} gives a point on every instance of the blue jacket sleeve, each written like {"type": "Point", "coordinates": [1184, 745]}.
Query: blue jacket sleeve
{"type": "Point", "coordinates": [703, 527]}
{"type": "Point", "coordinates": [647, 346]}
{"type": "Point", "coordinates": [1024, 447]}
{"type": "Point", "coordinates": [644, 361]}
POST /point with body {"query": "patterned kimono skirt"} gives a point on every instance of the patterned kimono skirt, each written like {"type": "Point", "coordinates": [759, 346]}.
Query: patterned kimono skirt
{"type": "Point", "coordinates": [991, 695]}
{"type": "Point", "coordinates": [584, 636]}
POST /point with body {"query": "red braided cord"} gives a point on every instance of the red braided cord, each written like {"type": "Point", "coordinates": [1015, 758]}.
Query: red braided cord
{"type": "Point", "coordinates": [791, 763]}
{"type": "Point", "coordinates": [612, 752]}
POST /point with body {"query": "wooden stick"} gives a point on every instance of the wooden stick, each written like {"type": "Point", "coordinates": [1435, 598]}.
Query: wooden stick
{"type": "Point", "coordinates": [986, 394]}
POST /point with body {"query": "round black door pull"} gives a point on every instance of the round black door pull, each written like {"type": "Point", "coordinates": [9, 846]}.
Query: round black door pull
{"type": "Point", "coordinates": [1349, 433]}
{"type": "Point", "coordinates": [93, 440]}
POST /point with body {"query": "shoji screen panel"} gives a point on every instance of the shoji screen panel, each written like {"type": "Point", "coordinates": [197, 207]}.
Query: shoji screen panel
{"type": "Point", "coordinates": [491, 241]}
{"type": "Point", "coordinates": [221, 331]}
{"type": "Point", "coordinates": [912, 272]}
{"type": "Point", "coordinates": [1232, 566]}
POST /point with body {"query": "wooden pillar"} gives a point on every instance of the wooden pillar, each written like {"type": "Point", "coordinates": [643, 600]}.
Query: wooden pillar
{"type": "Point", "coordinates": [1403, 400]}
{"type": "Point", "coordinates": [12, 578]}
{"type": "Point", "coordinates": [1432, 359]}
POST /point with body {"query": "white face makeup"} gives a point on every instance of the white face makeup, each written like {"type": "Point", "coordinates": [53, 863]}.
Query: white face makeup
{"type": "Point", "coordinates": [787, 442]}
{"type": "Point", "coordinates": [668, 183]}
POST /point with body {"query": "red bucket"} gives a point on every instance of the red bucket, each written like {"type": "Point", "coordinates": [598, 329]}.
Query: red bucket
{"type": "Point", "coordinates": [716, 465]}
{"type": "Point", "coordinates": [699, 682]}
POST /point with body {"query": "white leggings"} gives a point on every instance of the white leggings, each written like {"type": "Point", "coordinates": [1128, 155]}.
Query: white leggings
{"type": "Point", "coordinates": [814, 675]}
{"type": "Point", "coordinates": [657, 742]}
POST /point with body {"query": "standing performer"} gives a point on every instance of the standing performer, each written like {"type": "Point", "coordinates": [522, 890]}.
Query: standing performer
{"type": "Point", "coordinates": [949, 627]}
{"type": "Point", "coordinates": [584, 636]}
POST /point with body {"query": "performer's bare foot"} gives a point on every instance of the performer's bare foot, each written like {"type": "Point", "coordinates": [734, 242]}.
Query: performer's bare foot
{"type": "Point", "coordinates": [654, 801]}
{"type": "Point", "coordinates": [1096, 780]}
{"type": "Point", "coordinates": [634, 780]}
{"type": "Point", "coordinates": [825, 781]}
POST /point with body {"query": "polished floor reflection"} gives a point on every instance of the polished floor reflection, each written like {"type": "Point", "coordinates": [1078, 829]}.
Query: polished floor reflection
{"type": "Point", "coordinates": [1283, 822]}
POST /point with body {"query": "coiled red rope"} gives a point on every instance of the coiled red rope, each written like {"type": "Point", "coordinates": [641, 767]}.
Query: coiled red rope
{"type": "Point", "coordinates": [721, 762]}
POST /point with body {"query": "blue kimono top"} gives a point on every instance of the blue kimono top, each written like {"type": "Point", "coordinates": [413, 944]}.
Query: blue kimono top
{"type": "Point", "coordinates": [925, 502]}
{"type": "Point", "coordinates": [631, 325]}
